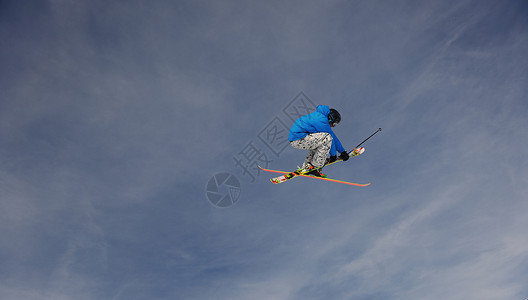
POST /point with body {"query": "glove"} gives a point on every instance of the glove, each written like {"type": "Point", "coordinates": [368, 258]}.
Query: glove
{"type": "Point", "coordinates": [344, 156]}
{"type": "Point", "coordinates": [332, 159]}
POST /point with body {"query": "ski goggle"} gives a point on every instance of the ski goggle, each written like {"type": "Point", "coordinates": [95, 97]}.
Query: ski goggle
{"type": "Point", "coordinates": [332, 121]}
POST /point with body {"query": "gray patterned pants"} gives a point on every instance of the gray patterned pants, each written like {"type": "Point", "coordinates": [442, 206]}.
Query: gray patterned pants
{"type": "Point", "coordinates": [319, 145]}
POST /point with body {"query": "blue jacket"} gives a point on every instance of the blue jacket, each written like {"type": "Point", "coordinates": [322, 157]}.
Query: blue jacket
{"type": "Point", "coordinates": [315, 122]}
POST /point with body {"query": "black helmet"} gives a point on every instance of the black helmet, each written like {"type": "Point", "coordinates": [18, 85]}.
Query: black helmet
{"type": "Point", "coordinates": [334, 117]}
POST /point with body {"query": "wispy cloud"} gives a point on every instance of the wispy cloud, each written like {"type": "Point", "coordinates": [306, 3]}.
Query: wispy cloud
{"type": "Point", "coordinates": [113, 117]}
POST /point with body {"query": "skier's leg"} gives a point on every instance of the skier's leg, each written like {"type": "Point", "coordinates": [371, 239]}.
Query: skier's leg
{"type": "Point", "coordinates": [308, 158]}
{"type": "Point", "coordinates": [321, 152]}
{"type": "Point", "coordinates": [319, 145]}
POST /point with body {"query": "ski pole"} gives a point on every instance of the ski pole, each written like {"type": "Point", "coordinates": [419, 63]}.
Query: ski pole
{"type": "Point", "coordinates": [379, 129]}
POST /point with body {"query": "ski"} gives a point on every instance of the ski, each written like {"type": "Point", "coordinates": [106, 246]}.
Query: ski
{"type": "Point", "coordinates": [289, 175]}
{"type": "Point", "coordinates": [297, 173]}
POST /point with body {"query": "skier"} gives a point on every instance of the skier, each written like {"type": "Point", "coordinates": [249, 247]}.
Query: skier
{"type": "Point", "coordinates": [314, 132]}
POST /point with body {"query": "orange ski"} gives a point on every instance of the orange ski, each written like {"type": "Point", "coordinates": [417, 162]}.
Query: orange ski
{"type": "Point", "coordinates": [295, 174]}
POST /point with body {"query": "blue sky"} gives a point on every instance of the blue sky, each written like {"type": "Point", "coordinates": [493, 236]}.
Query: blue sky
{"type": "Point", "coordinates": [114, 117]}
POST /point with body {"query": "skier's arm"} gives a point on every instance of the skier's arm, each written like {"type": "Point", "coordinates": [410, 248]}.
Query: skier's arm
{"type": "Point", "coordinates": [336, 144]}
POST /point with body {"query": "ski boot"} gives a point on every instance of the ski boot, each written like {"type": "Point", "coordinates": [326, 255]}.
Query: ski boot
{"type": "Point", "coordinates": [305, 169]}
{"type": "Point", "coordinates": [316, 173]}
{"type": "Point", "coordinates": [309, 170]}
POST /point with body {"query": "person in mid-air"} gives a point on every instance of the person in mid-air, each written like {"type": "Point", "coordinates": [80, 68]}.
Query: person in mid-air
{"type": "Point", "coordinates": [314, 132]}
